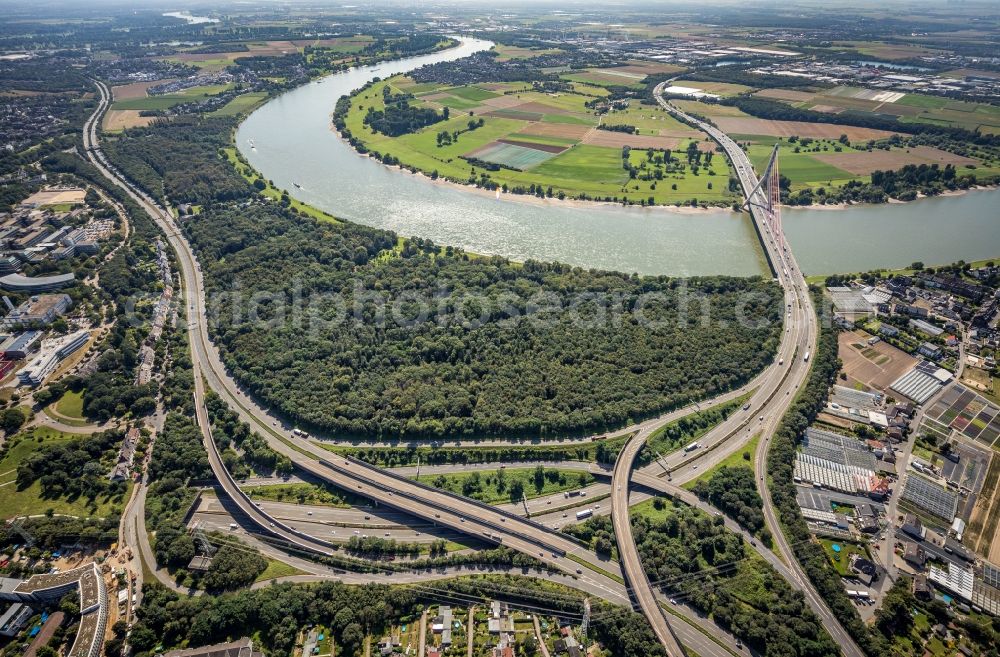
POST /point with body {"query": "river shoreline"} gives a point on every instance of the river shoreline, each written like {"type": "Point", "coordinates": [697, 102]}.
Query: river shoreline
{"type": "Point", "coordinates": [528, 198]}
{"type": "Point", "coordinates": [584, 204]}
{"type": "Point", "coordinates": [298, 149]}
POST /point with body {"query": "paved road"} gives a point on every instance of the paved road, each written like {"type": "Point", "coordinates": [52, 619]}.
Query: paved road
{"type": "Point", "coordinates": [800, 322]}
{"type": "Point", "coordinates": [431, 505]}
{"type": "Point", "coordinates": [786, 375]}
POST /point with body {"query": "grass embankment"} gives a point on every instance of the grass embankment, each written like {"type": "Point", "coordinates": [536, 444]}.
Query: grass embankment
{"type": "Point", "coordinates": [737, 459]}
{"type": "Point", "coordinates": [504, 484]}
{"type": "Point", "coordinates": [302, 493]}
{"type": "Point", "coordinates": [681, 432]}
{"type": "Point", "coordinates": [592, 451]}
{"type": "Point", "coordinates": [276, 569]}
{"type": "Point", "coordinates": [68, 410]}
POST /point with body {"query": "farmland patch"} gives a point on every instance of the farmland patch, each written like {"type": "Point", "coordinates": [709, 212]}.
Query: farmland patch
{"type": "Point", "coordinates": [755, 126]}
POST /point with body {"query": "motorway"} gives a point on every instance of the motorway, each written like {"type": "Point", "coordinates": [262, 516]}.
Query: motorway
{"type": "Point", "coordinates": [769, 403]}
{"type": "Point", "coordinates": [438, 507]}
{"type": "Point", "coordinates": [449, 511]}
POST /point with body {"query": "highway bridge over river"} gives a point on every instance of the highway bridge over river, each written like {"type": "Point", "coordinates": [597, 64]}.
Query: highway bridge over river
{"type": "Point", "coordinates": [773, 390]}
{"type": "Point", "coordinates": [770, 401]}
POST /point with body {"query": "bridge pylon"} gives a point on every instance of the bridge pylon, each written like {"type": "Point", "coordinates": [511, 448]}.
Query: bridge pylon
{"type": "Point", "coordinates": [766, 197]}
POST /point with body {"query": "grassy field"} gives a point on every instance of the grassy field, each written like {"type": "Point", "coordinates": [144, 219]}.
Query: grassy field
{"type": "Point", "coordinates": [241, 104]}
{"type": "Point", "coordinates": [29, 501]}
{"type": "Point", "coordinates": [166, 101]}
{"type": "Point", "coordinates": [590, 166]}
{"type": "Point", "coordinates": [68, 410]}
{"type": "Point", "coordinates": [71, 405]}
{"type": "Point", "coordinates": [277, 569]}
{"type": "Point", "coordinates": [495, 486]}
{"type": "Point", "coordinates": [301, 493]}
{"type": "Point", "coordinates": [734, 460]}
{"type": "Point", "coordinates": [802, 169]}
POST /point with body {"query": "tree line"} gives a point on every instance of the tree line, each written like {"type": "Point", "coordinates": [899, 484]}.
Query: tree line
{"type": "Point", "coordinates": [780, 467]}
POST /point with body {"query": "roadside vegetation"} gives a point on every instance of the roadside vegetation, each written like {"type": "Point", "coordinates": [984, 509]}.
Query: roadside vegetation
{"type": "Point", "coordinates": [696, 561]}
{"type": "Point", "coordinates": [780, 460]}
{"type": "Point", "coordinates": [511, 485]}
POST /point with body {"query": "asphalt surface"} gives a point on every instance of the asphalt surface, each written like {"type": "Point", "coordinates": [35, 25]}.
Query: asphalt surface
{"type": "Point", "coordinates": [773, 396]}
{"type": "Point", "coordinates": [436, 507]}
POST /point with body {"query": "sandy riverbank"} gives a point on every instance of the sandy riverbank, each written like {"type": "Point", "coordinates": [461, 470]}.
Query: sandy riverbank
{"type": "Point", "coordinates": [582, 204]}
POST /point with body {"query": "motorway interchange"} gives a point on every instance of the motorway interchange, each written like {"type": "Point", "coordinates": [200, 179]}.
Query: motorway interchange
{"type": "Point", "coordinates": [770, 395]}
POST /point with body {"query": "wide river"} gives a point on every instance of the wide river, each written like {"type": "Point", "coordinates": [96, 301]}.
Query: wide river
{"type": "Point", "coordinates": [293, 143]}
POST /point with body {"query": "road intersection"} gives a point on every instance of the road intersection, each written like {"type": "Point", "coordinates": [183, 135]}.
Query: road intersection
{"type": "Point", "coordinates": [482, 521]}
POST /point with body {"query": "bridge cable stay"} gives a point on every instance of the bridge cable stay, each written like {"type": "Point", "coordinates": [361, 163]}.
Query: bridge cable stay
{"type": "Point", "coordinates": [769, 200]}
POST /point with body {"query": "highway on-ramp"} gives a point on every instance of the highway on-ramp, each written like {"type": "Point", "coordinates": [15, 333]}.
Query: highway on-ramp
{"type": "Point", "coordinates": [769, 403]}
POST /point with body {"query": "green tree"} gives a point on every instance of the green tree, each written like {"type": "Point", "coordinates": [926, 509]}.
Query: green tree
{"type": "Point", "coordinates": [12, 419]}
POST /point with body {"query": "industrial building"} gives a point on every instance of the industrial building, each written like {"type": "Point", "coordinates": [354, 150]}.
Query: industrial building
{"type": "Point", "coordinates": [921, 382]}
{"type": "Point", "coordinates": [19, 283]}
{"type": "Point", "coordinates": [835, 476]}
{"type": "Point", "coordinates": [931, 497]}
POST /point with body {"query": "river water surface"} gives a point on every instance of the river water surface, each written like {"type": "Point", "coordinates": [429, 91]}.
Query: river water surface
{"type": "Point", "coordinates": [293, 143]}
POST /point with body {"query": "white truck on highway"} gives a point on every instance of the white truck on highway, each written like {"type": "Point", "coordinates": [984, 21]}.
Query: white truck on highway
{"type": "Point", "coordinates": [692, 447]}
{"type": "Point", "coordinates": [586, 513]}
{"type": "Point", "coordinates": [806, 359]}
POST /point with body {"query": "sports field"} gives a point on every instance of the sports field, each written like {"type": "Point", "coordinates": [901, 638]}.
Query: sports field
{"type": "Point", "coordinates": [552, 140]}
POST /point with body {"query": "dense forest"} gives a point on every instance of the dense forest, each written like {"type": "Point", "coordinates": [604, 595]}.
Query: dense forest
{"type": "Point", "coordinates": [744, 595]}
{"type": "Point", "coordinates": [399, 117]}
{"type": "Point", "coordinates": [417, 340]}
{"type": "Point", "coordinates": [483, 366]}
{"type": "Point", "coordinates": [180, 160]}
{"type": "Point", "coordinates": [733, 490]}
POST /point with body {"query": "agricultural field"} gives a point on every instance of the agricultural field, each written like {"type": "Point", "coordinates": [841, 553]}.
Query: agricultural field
{"type": "Point", "coordinates": [166, 101]}
{"type": "Point", "coordinates": [718, 88]}
{"type": "Point", "coordinates": [909, 107]}
{"type": "Point", "coordinates": [116, 120]}
{"type": "Point", "coordinates": [550, 140]}
{"type": "Point", "coordinates": [242, 103]}
{"type": "Point", "coordinates": [135, 89]}
{"type": "Point", "coordinates": [215, 61]}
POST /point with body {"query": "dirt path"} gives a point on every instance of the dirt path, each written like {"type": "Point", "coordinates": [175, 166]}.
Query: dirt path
{"type": "Point", "coordinates": [423, 634]}
{"type": "Point", "coordinates": [538, 636]}
{"type": "Point", "coordinates": [470, 633]}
